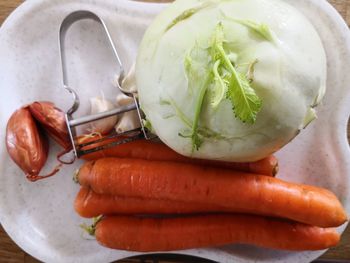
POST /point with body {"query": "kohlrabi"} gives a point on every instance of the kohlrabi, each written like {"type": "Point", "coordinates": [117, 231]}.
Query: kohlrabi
{"type": "Point", "coordinates": [231, 80]}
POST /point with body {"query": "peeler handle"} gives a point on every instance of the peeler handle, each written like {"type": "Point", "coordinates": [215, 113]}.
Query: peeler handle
{"type": "Point", "coordinates": [102, 115]}
{"type": "Point", "coordinates": [79, 149]}
{"type": "Point", "coordinates": [66, 23]}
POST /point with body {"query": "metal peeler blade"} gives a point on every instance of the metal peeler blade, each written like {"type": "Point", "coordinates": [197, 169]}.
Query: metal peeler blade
{"type": "Point", "coordinates": [80, 149]}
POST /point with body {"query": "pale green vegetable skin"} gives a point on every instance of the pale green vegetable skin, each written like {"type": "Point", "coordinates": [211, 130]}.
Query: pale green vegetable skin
{"type": "Point", "coordinates": [239, 103]}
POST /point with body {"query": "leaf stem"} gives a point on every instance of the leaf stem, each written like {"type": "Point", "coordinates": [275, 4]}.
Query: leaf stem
{"type": "Point", "coordinates": [198, 109]}
{"type": "Point", "coordinates": [228, 63]}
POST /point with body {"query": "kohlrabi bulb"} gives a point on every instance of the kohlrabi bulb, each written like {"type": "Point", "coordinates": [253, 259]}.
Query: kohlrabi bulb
{"type": "Point", "coordinates": [231, 80]}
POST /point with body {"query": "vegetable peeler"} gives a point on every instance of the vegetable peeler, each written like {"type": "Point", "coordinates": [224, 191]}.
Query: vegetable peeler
{"type": "Point", "coordinates": [104, 142]}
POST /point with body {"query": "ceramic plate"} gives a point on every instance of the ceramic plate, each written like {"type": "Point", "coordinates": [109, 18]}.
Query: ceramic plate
{"type": "Point", "coordinates": [40, 218]}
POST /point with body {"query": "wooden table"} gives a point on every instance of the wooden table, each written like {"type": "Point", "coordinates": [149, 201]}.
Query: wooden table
{"type": "Point", "coordinates": [11, 253]}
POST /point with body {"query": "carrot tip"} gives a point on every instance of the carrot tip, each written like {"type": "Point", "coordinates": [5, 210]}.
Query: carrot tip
{"type": "Point", "coordinates": [76, 176]}
{"type": "Point", "coordinates": [275, 170]}
{"type": "Point", "coordinates": [91, 229]}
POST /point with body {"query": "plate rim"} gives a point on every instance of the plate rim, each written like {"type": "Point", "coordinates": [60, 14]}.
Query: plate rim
{"type": "Point", "coordinates": [326, 6]}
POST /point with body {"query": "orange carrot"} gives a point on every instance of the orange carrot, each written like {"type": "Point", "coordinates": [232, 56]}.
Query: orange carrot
{"type": "Point", "coordinates": [166, 234]}
{"type": "Point", "coordinates": [148, 150]}
{"type": "Point", "coordinates": [240, 192]}
{"type": "Point", "coordinates": [89, 204]}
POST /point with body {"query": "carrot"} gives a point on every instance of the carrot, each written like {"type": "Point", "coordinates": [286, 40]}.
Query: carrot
{"type": "Point", "coordinates": [89, 204]}
{"type": "Point", "coordinates": [240, 192]}
{"type": "Point", "coordinates": [167, 234]}
{"type": "Point", "coordinates": [148, 150]}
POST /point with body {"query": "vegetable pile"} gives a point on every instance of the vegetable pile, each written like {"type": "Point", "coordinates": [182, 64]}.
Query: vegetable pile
{"type": "Point", "coordinates": [207, 204]}
{"type": "Point", "coordinates": [224, 85]}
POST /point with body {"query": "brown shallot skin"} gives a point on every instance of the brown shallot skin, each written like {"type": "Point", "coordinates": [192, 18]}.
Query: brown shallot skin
{"type": "Point", "coordinates": [52, 119]}
{"type": "Point", "coordinates": [26, 144]}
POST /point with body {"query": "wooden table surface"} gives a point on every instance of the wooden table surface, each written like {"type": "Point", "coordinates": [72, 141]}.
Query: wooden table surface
{"type": "Point", "coordinates": [11, 253]}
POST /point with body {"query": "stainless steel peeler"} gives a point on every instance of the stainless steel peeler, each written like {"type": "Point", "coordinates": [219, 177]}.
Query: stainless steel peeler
{"type": "Point", "coordinates": [72, 124]}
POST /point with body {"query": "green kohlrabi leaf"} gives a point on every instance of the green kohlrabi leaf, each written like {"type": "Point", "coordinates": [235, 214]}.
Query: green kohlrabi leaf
{"type": "Point", "coordinates": [217, 41]}
{"type": "Point", "coordinates": [190, 12]}
{"type": "Point", "coordinates": [196, 140]}
{"type": "Point", "coordinates": [250, 72]}
{"type": "Point", "coordinates": [188, 64]}
{"type": "Point", "coordinates": [196, 67]}
{"type": "Point", "coordinates": [185, 15]}
{"type": "Point", "coordinates": [245, 102]}
{"type": "Point", "coordinates": [197, 137]}
{"type": "Point", "coordinates": [178, 111]}
{"type": "Point", "coordinates": [262, 29]}
{"type": "Point", "coordinates": [147, 124]}
{"type": "Point", "coordinates": [199, 77]}
{"type": "Point", "coordinates": [211, 73]}
{"type": "Point", "coordinates": [220, 87]}
{"type": "Point", "coordinates": [189, 72]}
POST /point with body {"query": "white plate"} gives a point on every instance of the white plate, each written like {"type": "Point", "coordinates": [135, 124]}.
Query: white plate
{"type": "Point", "coordinates": [40, 218]}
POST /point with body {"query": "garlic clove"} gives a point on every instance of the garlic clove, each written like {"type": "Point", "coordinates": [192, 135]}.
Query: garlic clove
{"type": "Point", "coordinates": [123, 100]}
{"type": "Point", "coordinates": [128, 122]}
{"type": "Point", "coordinates": [129, 82]}
{"type": "Point", "coordinates": [106, 125]}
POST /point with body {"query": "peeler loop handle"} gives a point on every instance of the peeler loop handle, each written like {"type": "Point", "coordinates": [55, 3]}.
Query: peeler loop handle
{"type": "Point", "coordinates": [66, 23]}
{"type": "Point", "coordinates": [76, 100]}
{"type": "Point", "coordinates": [113, 139]}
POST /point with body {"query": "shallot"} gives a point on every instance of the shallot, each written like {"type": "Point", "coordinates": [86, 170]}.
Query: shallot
{"type": "Point", "coordinates": [27, 145]}
{"type": "Point", "coordinates": [52, 119]}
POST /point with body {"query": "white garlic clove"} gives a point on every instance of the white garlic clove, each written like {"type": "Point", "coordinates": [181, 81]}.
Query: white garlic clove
{"type": "Point", "coordinates": [105, 125]}
{"type": "Point", "coordinates": [124, 100]}
{"type": "Point", "coordinates": [129, 82]}
{"type": "Point", "coordinates": [116, 80]}
{"type": "Point", "coordinates": [128, 122]}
